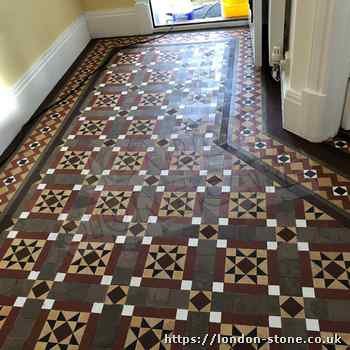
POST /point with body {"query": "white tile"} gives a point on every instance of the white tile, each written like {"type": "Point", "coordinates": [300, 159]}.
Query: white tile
{"type": "Point", "coordinates": [223, 221]}
{"type": "Point", "coordinates": [308, 292]}
{"type": "Point", "coordinates": [274, 290]}
{"type": "Point", "coordinates": [71, 137]}
{"type": "Point", "coordinates": [270, 189]}
{"type": "Point", "coordinates": [147, 240]}
{"type": "Point", "coordinates": [111, 118]}
{"type": "Point", "coordinates": [77, 187]}
{"type": "Point", "coordinates": [106, 280]}
{"type": "Point", "coordinates": [215, 317]}
{"type": "Point", "coordinates": [60, 277]}
{"type": "Point", "coordinates": [64, 149]}
{"type": "Point", "coordinates": [312, 325]}
{"type": "Point", "coordinates": [102, 137]}
{"type": "Point", "coordinates": [174, 136]}
{"type": "Point", "coordinates": [201, 189]}
{"type": "Point", "coordinates": [116, 149]}
{"type": "Point", "coordinates": [154, 137]}
{"type": "Point", "coordinates": [209, 135]}
{"type": "Point", "coordinates": [227, 172]}
{"type": "Point", "coordinates": [150, 149]}
{"type": "Point", "coordinates": [128, 310]}
{"type": "Point", "coordinates": [303, 246]}
{"type": "Point", "coordinates": [152, 219]}
{"type": "Point", "coordinates": [85, 172]}
{"type": "Point", "coordinates": [33, 276]}
{"type": "Point", "coordinates": [186, 285]}
{"type": "Point", "coordinates": [106, 172]}
{"type": "Point", "coordinates": [24, 215]}
{"type": "Point", "coordinates": [181, 315]}
{"type": "Point", "coordinates": [86, 218]}
{"type": "Point", "coordinates": [221, 243]}
{"type": "Point", "coordinates": [121, 137]}
{"type": "Point", "coordinates": [142, 172]}
{"type": "Point", "coordinates": [218, 287]}
{"type": "Point", "coordinates": [225, 189]}
{"type": "Point", "coordinates": [193, 242]}
{"type": "Point", "coordinates": [207, 148]}
{"type": "Point", "coordinates": [99, 188]}
{"type": "Point", "coordinates": [196, 221]}
{"type": "Point", "coordinates": [97, 308]}
{"type": "Point", "coordinates": [52, 236]}
{"type": "Point", "coordinates": [160, 189]}
{"type": "Point", "coordinates": [41, 187]}
{"type": "Point", "coordinates": [164, 173]}
{"type": "Point", "coordinates": [20, 301]}
{"type": "Point", "coordinates": [120, 239]}
{"type": "Point", "coordinates": [127, 219]}
{"type": "Point", "coordinates": [271, 245]}
{"type": "Point", "coordinates": [171, 149]}
{"type": "Point", "coordinates": [62, 217]}
{"type": "Point", "coordinates": [275, 322]}
{"type": "Point", "coordinates": [50, 171]}
{"type": "Point", "coordinates": [203, 172]}
{"type": "Point", "coordinates": [48, 304]}
{"type": "Point", "coordinates": [135, 282]}
{"type": "Point", "coordinates": [97, 149]}
{"type": "Point", "coordinates": [160, 117]}
{"type": "Point", "coordinates": [271, 223]}
{"type": "Point", "coordinates": [300, 223]}
{"type": "Point", "coordinates": [12, 234]}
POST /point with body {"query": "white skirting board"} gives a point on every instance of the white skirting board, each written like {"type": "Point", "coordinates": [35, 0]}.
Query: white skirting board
{"type": "Point", "coordinates": [34, 86]}
{"type": "Point", "coordinates": [135, 20]}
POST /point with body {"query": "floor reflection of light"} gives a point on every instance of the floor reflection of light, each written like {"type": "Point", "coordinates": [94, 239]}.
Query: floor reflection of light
{"type": "Point", "coordinates": [7, 102]}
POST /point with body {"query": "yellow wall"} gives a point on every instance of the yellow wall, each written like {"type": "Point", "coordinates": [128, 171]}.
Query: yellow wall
{"type": "Point", "coordinates": [27, 29]}
{"type": "Point", "coordinates": [94, 5]}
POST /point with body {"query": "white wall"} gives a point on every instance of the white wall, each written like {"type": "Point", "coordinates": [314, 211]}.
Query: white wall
{"type": "Point", "coordinates": [32, 88]}
{"type": "Point", "coordinates": [315, 79]}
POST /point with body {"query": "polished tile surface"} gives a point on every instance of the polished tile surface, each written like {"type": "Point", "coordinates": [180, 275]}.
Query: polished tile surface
{"type": "Point", "coordinates": [163, 208]}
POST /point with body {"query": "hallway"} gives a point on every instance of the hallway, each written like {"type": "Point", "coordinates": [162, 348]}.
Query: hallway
{"type": "Point", "coordinates": [154, 202]}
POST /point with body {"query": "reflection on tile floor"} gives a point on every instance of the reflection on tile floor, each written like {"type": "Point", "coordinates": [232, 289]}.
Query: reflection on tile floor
{"type": "Point", "coordinates": [139, 225]}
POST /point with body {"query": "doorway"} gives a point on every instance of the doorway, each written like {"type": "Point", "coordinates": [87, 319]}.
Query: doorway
{"type": "Point", "coordinates": [177, 13]}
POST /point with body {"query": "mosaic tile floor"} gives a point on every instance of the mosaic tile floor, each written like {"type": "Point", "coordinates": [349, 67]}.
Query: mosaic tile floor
{"type": "Point", "coordinates": [152, 203]}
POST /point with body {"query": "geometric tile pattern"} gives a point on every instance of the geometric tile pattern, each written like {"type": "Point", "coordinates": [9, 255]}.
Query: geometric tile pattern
{"type": "Point", "coordinates": [165, 262]}
{"type": "Point", "coordinates": [179, 204]}
{"type": "Point", "coordinates": [148, 333]}
{"type": "Point", "coordinates": [246, 266]}
{"type": "Point", "coordinates": [112, 203]}
{"type": "Point", "coordinates": [91, 258]}
{"type": "Point", "coordinates": [248, 205]}
{"type": "Point", "coordinates": [129, 161]}
{"type": "Point", "coordinates": [51, 201]}
{"type": "Point", "coordinates": [63, 330]}
{"type": "Point", "coordinates": [145, 270]}
{"type": "Point", "coordinates": [22, 254]}
{"type": "Point", "coordinates": [331, 270]}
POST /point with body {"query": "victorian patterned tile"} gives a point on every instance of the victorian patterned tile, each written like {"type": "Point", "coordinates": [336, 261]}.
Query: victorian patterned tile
{"type": "Point", "coordinates": [325, 269]}
{"type": "Point", "coordinates": [23, 254]}
{"type": "Point", "coordinates": [63, 327]}
{"type": "Point", "coordinates": [89, 261]}
{"type": "Point", "coordinates": [165, 264]}
{"type": "Point", "coordinates": [178, 204]}
{"type": "Point", "coordinates": [147, 328]}
{"type": "Point", "coordinates": [133, 199]}
{"type": "Point", "coordinates": [247, 267]}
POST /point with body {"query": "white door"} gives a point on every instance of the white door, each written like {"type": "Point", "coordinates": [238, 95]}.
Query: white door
{"type": "Point", "coordinates": [256, 31]}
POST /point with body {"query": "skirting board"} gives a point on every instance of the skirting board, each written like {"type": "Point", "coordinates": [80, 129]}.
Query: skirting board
{"type": "Point", "coordinates": [34, 86]}
{"type": "Point", "coordinates": [135, 20]}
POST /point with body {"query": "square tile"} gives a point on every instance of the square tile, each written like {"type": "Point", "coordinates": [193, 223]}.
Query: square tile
{"type": "Point", "coordinates": [112, 203]}
{"type": "Point", "coordinates": [178, 204]}
{"type": "Point", "coordinates": [247, 205]}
